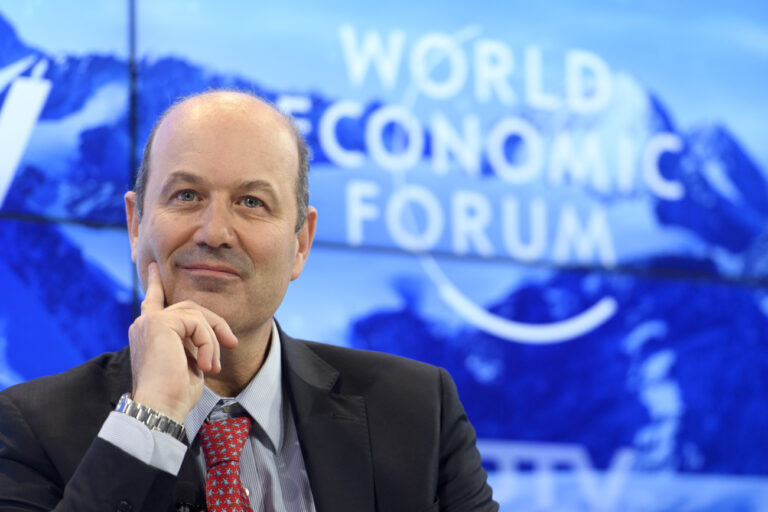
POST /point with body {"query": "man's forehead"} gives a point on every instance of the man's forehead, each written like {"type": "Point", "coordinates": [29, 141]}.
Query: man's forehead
{"type": "Point", "coordinates": [234, 107]}
{"type": "Point", "coordinates": [238, 120]}
{"type": "Point", "coordinates": [229, 125]}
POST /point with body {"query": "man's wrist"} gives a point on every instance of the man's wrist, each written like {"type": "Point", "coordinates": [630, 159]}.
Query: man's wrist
{"type": "Point", "coordinates": [154, 420]}
{"type": "Point", "coordinates": [149, 446]}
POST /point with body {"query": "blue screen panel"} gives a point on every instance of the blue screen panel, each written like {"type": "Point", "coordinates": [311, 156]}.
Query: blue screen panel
{"type": "Point", "coordinates": [64, 127]}
{"type": "Point", "coordinates": [67, 296]}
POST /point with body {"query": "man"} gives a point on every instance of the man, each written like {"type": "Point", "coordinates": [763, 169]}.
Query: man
{"type": "Point", "coordinates": [219, 225]}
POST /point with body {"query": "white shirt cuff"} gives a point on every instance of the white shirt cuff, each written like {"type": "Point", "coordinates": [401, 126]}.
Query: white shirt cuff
{"type": "Point", "coordinates": [152, 447]}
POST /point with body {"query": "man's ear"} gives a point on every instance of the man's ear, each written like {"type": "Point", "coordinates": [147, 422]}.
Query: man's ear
{"type": "Point", "coordinates": [304, 239]}
{"type": "Point", "coordinates": [132, 220]}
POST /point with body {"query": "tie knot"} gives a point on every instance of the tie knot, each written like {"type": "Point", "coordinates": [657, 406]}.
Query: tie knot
{"type": "Point", "coordinates": [223, 440]}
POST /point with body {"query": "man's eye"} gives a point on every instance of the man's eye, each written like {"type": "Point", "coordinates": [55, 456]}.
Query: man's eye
{"type": "Point", "coordinates": [186, 195]}
{"type": "Point", "coordinates": [252, 202]}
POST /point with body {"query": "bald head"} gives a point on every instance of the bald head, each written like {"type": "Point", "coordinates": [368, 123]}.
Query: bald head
{"type": "Point", "coordinates": [212, 103]}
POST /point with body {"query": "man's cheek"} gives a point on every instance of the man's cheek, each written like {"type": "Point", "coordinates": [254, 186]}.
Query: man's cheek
{"type": "Point", "coordinates": [145, 254]}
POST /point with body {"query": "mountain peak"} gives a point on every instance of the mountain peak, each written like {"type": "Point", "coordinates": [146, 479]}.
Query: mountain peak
{"type": "Point", "coordinates": [11, 48]}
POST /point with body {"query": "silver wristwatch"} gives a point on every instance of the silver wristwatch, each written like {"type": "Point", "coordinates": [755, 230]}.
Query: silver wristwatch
{"type": "Point", "coordinates": [150, 417]}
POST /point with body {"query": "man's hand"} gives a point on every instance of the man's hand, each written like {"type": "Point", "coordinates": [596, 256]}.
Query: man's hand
{"type": "Point", "coordinates": [171, 349]}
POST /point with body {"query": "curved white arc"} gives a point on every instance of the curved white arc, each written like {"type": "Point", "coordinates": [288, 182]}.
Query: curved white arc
{"type": "Point", "coordinates": [538, 334]}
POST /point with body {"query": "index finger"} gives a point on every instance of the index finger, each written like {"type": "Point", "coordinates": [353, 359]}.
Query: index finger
{"type": "Point", "coordinates": [154, 300]}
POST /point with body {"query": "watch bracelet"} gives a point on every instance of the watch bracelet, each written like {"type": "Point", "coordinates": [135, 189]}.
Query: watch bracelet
{"type": "Point", "coordinates": [154, 420]}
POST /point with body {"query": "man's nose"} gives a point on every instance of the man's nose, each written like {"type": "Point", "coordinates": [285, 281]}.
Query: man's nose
{"type": "Point", "coordinates": [215, 229]}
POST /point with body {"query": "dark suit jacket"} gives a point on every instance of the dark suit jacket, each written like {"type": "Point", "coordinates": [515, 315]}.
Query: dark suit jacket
{"type": "Point", "coordinates": [377, 432]}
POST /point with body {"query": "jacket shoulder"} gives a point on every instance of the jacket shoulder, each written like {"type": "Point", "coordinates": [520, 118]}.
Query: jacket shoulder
{"type": "Point", "coordinates": [36, 416]}
{"type": "Point", "coordinates": [365, 360]}
{"type": "Point", "coordinates": [371, 373]}
{"type": "Point", "coordinates": [96, 382]}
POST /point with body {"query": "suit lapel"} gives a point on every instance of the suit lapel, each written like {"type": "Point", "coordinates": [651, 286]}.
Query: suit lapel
{"type": "Point", "coordinates": [332, 429]}
{"type": "Point", "coordinates": [190, 487]}
{"type": "Point", "coordinates": [118, 376]}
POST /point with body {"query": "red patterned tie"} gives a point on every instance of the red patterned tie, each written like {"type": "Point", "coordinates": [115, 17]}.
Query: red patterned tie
{"type": "Point", "coordinates": [222, 442]}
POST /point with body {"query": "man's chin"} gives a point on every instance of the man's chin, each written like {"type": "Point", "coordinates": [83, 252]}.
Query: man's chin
{"type": "Point", "coordinates": [209, 284]}
{"type": "Point", "coordinates": [242, 315]}
{"type": "Point", "coordinates": [213, 300]}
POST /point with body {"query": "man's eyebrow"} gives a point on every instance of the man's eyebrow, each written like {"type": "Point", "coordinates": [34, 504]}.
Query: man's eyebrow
{"type": "Point", "coordinates": [256, 184]}
{"type": "Point", "coordinates": [181, 176]}
{"type": "Point", "coordinates": [193, 179]}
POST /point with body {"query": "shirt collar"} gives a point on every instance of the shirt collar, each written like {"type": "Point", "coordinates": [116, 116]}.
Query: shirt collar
{"type": "Point", "coordinates": [262, 398]}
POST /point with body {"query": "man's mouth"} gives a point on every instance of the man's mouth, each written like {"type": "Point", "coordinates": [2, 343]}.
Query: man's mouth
{"type": "Point", "coordinates": [210, 270]}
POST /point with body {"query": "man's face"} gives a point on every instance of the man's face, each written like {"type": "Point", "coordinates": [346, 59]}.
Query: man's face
{"type": "Point", "coordinates": [220, 209]}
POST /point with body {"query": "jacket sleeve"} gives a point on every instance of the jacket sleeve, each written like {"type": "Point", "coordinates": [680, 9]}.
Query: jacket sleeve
{"type": "Point", "coordinates": [462, 481]}
{"type": "Point", "coordinates": [106, 478]}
